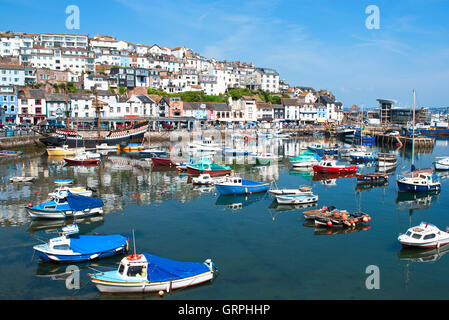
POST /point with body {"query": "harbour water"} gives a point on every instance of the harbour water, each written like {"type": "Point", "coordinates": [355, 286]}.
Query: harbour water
{"type": "Point", "coordinates": [262, 250]}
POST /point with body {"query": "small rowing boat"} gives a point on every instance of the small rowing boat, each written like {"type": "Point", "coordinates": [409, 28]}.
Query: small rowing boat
{"type": "Point", "coordinates": [296, 198]}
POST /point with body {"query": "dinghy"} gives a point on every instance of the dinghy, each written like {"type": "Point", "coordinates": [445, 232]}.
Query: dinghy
{"type": "Point", "coordinates": [424, 236]}
{"type": "Point", "coordinates": [442, 163]}
{"type": "Point", "coordinates": [302, 190]}
{"type": "Point", "coordinates": [21, 179]}
{"type": "Point", "coordinates": [70, 247]}
{"type": "Point", "coordinates": [150, 273]}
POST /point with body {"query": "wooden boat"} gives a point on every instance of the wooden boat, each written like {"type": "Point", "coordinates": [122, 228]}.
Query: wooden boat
{"type": "Point", "coordinates": [70, 247]}
{"type": "Point", "coordinates": [371, 178]}
{"type": "Point", "coordinates": [237, 185]}
{"type": "Point", "coordinates": [330, 166]}
{"type": "Point", "coordinates": [149, 273]}
{"type": "Point", "coordinates": [21, 179]}
{"type": "Point", "coordinates": [71, 206]}
{"type": "Point", "coordinates": [296, 198]}
{"type": "Point", "coordinates": [424, 236]}
{"type": "Point", "coordinates": [332, 217]}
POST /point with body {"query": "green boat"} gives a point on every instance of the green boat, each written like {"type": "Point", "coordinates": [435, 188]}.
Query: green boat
{"type": "Point", "coordinates": [305, 159]}
{"type": "Point", "coordinates": [204, 165]}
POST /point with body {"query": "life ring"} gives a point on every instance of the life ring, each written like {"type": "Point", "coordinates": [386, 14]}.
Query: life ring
{"type": "Point", "coordinates": [246, 138]}
{"type": "Point", "coordinates": [134, 257]}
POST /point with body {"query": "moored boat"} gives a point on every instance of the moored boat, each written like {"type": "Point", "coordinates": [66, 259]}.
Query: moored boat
{"type": "Point", "coordinates": [71, 247]}
{"type": "Point", "coordinates": [296, 198]}
{"type": "Point", "coordinates": [331, 166]}
{"type": "Point", "coordinates": [82, 159]}
{"type": "Point", "coordinates": [163, 161]}
{"type": "Point", "coordinates": [422, 180]}
{"type": "Point", "coordinates": [21, 179]}
{"type": "Point", "coordinates": [206, 166]}
{"type": "Point", "coordinates": [424, 236]}
{"type": "Point", "coordinates": [63, 151]}
{"type": "Point", "coordinates": [305, 159]}
{"type": "Point", "coordinates": [442, 163]}
{"type": "Point", "coordinates": [71, 206]}
{"type": "Point", "coordinates": [302, 190]}
{"type": "Point", "coordinates": [372, 178]}
{"type": "Point", "coordinates": [323, 149]}
{"type": "Point", "coordinates": [150, 273]}
{"type": "Point", "coordinates": [237, 185]}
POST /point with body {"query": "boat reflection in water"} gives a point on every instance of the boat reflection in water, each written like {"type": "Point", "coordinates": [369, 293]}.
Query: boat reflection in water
{"type": "Point", "coordinates": [334, 231]}
{"type": "Point", "coordinates": [416, 200]}
{"type": "Point", "coordinates": [235, 202]}
{"type": "Point", "coordinates": [86, 224]}
{"type": "Point", "coordinates": [423, 255]}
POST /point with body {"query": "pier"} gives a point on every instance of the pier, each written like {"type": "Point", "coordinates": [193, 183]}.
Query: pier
{"type": "Point", "coordinates": [420, 142]}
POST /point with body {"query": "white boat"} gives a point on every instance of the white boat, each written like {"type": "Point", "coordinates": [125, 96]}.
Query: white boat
{"type": "Point", "coordinates": [303, 190]}
{"type": "Point", "coordinates": [386, 160]}
{"type": "Point", "coordinates": [203, 179]}
{"type": "Point", "coordinates": [424, 236]}
{"type": "Point", "coordinates": [442, 163]}
{"type": "Point", "coordinates": [206, 145]}
{"type": "Point", "coordinates": [61, 192]}
{"type": "Point", "coordinates": [296, 198]}
{"type": "Point", "coordinates": [89, 155]}
{"type": "Point", "coordinates": [149, 273]}
{"type": "Point", "coordinates": [21, 179]}
{"type": "Point", "coordinates": [346, 151]}
{"type": "Point", "coordinates": [105, 146]}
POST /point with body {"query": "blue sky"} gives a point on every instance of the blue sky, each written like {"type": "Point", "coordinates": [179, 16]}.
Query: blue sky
{"type": "Point", "coordinates": [323, 43]}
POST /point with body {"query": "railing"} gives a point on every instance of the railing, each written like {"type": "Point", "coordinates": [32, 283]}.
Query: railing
{"type": "Point", "coordinates": [17, 133]}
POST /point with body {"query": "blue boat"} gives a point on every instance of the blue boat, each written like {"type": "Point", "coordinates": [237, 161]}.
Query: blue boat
{"type": "Point", "coordinates": [423, 180]}
{"type": "Point", "coordinates": [361, 155]}
{"type": "Point", "coordinates": [66, 205]}
{"type": "Point", "coordinates": [63, 181]}
{"type": "Point", "coordinates": [323, 149]}
{"type": "Point", "coordinates": [70, 247]}
{"type": "Point", "coordinates": [237, 185]}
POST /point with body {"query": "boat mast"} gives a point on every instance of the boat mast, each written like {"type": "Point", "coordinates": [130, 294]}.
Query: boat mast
{"type": "Point", "coordinates": [67, 108]}
{"type": "Point", "coordinates": [413, 134]}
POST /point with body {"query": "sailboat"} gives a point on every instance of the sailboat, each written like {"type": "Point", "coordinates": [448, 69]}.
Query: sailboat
{"type": "Point", "coordinates": [417, 180]}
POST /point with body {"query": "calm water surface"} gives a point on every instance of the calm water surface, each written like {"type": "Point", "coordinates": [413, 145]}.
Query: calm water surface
{"type": "Point", "coordinates": [262, 251]}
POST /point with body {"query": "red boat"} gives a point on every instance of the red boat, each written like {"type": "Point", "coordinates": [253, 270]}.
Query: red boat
{"type": "Point", "coordinates": [330, 166]}
{"type": "Point", "coordinates": [196, 172]}
{"type": "Point", "coordinates": [81, 161]}
{"type": "Point", "coordinates": [163, 161]}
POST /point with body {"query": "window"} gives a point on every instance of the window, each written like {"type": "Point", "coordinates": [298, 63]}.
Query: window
{"type": "Point", "coordinates": [429, 236]}
{"type": "Point", "coordinates": [121, 268]}
{"type": "Point", "coordinates": [137, 271]}
{"type": "Point", "coordinates": [416, 236]}
{"type": "Point", "coordinates": [62, 247]}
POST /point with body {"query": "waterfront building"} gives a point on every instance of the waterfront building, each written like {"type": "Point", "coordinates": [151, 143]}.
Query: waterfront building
{"type": "Point", "coordinates": [291, 110]}
{"type": "Point", "coordinates": [56, 109]}
{"type": "Point", "coordinates": [265, 111]}
{"type": "Point", "coordinates": [9, 105]}
{"type": "Point", "coordinates": [32, 106]}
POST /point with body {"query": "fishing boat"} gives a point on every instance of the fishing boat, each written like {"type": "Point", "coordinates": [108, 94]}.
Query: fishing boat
{"type": "Point", "coordinates": [302, 190]}
{"type": "Point", "coordinates": [376, 177]}
{"type": "Point", "coordinates": [63, 151]}
{"type": "Point", "coordinates": [152, 152]}
{"type": "Point", "coordinates": [296, 198]}
{"type": "Point", "coordinates": [70, 206]}
{"type": "Point", "coordinates": [71, 247]}
{"type": "Point", "coordinates": [345, 152]}
{"type": "Point", "coordinates": [21, 179]}
{"type": "Point", "coordinates": [442, 163]}
{"type": "Point", "coordinates": [82, 159]}
{"type": "Point", "coordinates": [424, 236]}
{"type": "Point", "coordinates": [237, 185]}
{"type": "Point", "coordinates": [417, 180]}
{"type": "Point", "coordinates": [323, 149]}
{"type": "Point", "coordinates": [305, 159]}
{"type": "Point", "coordinates": [206, 145]}
{"type": "Point", "coordinates": [149, 273]}
{"type": "Point", "coordinates": [205, 165]}
{"type": "Point", "coordinates": [331, 166]}
{"type": "Point", "coordinates": [332, 217]}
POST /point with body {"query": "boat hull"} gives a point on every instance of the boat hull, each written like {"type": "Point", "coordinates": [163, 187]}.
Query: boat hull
{"type": "Point", "coordinates": [409, 187]}
{"type": "Point", "coordinates": [81, 162]}
{"type": "Point", "coordinates": [338, 170]}
{"type": "Point", "coordinates": [48, 256]}
{"type": "Point", "coordinates": [196, 171]}
{"type": "Point", "coordinates": [61, 214]}
{"type": "Point", "coordinates": [161, 161]}
{"type": "Point", "coordinates": [296, 199]}
{"type": "Point", "coordinates": [105, 286]}
{"type": "Point", "coordinates": [244, 189]}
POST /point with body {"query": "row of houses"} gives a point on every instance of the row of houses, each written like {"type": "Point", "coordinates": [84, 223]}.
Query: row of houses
{"type": "Point", "coordinates": [22, 105]}
{"type": "Point", "coordinates": [121, 63]}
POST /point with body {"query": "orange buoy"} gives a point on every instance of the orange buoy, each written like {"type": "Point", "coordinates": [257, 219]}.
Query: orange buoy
{"type": "Point", "coordinates": [30, 204]}
{"type": "Point", "coordinates": [329, 223]}
{"type": "Point", "coordinates": [134, 257]}
{"type": "Point", "coordinates": [365, 219]}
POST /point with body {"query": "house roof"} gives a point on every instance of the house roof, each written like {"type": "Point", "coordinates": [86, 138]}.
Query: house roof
{"type": "Point", "coordinates": [289, 102]}
{"type": "Point", "coordinates": [264, 105]}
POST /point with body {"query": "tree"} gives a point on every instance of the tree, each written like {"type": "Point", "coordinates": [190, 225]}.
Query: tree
{"type": "Point", "coordinates": [121, 90]}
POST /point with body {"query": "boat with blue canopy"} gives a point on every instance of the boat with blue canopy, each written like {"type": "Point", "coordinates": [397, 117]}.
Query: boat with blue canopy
{"type": "Point", "coordinates": [71, 247]}
{"type": "Point", "coordinates": [323, 149]}
{"type": "Point", "coordinates": [237, 185]}
{"type": "Point", "coordinates": [66, 205]}
{"type": "Point", "coordinates": [150, 273]}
